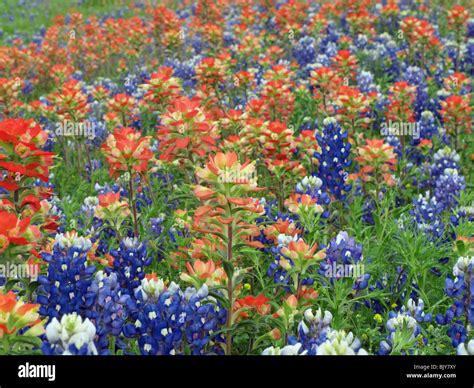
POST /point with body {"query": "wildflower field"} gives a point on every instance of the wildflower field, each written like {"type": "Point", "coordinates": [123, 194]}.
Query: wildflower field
{"type": "Point", "coordinates": [236, 177]}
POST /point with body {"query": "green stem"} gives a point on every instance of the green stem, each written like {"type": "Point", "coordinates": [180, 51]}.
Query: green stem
{"type": "Point", "coordinates": [133, 206]}
{"type": "Point", "coordinates": [230, 293]}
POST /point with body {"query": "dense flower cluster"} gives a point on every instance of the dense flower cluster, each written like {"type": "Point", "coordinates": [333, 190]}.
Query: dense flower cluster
{"type": "Point", "coordinates": [238, 177]}
{"type": "Point", "coordinates": [404, 328]}
{"type": "Point", "coordinates": [334, 159]}
{"type": "Point", "coordinates": [170, 321]}
{"type": "Point", "coordinates": [460, 315]}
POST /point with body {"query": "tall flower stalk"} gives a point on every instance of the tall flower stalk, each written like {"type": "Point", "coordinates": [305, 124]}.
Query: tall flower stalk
{"type": "Point", "coordinates": [226, 214]}
{"type": "Point", "coordinates": [128, 152]}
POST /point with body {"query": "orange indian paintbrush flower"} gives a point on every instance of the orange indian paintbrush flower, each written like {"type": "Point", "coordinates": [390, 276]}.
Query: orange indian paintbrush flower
{"type": "Point", "coordinates": [126, 150]}
{"type": "Point", "coordinates": [377, 158]}
{"type": "Point", "coordinates": [16, 315]}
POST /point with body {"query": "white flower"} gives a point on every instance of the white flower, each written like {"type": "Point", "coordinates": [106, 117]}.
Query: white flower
{"type": "Point", "coordinates": [284, 239]}
{"type": "Point", "coordinates": [462, 265]}
{"type": "Point", "coordinates": [462, 350]}
{"type": "Point", "coordinates": [91, 201]}
{"type": "Point", "coordinates": [53, 331]}
{"type": "Point", "coordinates": [329, 120]}
{"type": "Point", "coordinates": [131, 243]}
{"type": "Point", "coordinates": [72, 330]}
{"type": "Point", "coordinates": [72, 239]}
{"type": "Point", "coordinates": [152, 288]}
{"type": "Point", "coordinates": [316, 318]}
{"type": "Point", "coordinates": [401, 321]}
{"type": "Point", "coordinates": [340, 343]}
{"type": "Point", "coordinates": [288, 350]}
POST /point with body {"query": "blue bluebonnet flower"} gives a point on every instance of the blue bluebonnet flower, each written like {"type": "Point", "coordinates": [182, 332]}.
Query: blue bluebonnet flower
{"type": "Point", "coordinates": [316, 337]}
{"type": "Point", "coordinates": [404, 327]}
{"type": "Point", "coordinates": [382, 56]}
{"type": "Point", "coordinates": [395, 142]}
{"type": "Point", "coordinates": [361, 41]}
{"type": "Point", "coordinates": [428, 126]}
{"type": "Point", "coordinates": [365, 82]}
{"type": "Point", "coordinates": [427, 130]}
{"type": "Point", "coordinates": [185, 70]}
{"type": "Point", "coordinates": [170, 321]}
{"type": "Point", "coordinates": [70, 336]}
{"type": "Point", "coordinates": [305, 51]}
{"type": "Point", "coordinates": [443, 159]}
{"type": "Point", "coordinates": [334, 159]}
{"type": "Point", "coordinates": [313, 329]}
{"type": "Point", "coordinates": [132, 82]}
{"type": "Point", "coordinates": [470, 28]}
{"type": "Point", "coordinates": [368, 208]}
{"type": "Point", "coordinates": [427, 215]}
{"type": "Point", "coordinates": [65, 287]}
{"type": "Point", "coordinates": [448, 188]}
{"type": "Point", "coordinates": [88, 207]}
{"type": "Point", "coordinates": [158, 324]}
{"type": "Point", "coordinates": [344, 253]}
{"type": "Point", "coordinates": [460, 315]}
{"type": "Point", "coordinates": [467, 62]}
{"type": "Point", "coordinates": [414, 75]}
{"type": "Point", "coordinates": [204, 317]}
{"type": "Point", "coordinates": [56, 210]}
{"type": "Point", "coordinates": [99, 134]}
{"type": "Point", "coordinates": [130, 260]}
{"type": "Point", "coordinates": [72, 240]}
{"type": "Point", "coordinates": [309, 185]}
{"type": "Point", "coordinates": [275, 270]}
{"type": "Point", "coordinates": [156, 224]}
{"type": "Point", "coordinates": [322, 60]}
{"type": "Point", "coordinates": [415, 309]}
{"type": "Point", "coordinates": [462, 214]}
{"type": "Point", "coordinates": [110, 310]}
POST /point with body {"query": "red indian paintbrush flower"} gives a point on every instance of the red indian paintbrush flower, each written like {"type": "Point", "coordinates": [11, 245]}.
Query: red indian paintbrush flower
{"type": "Point", "coordinates": [285, 227]}
{"type": "Point", "coordinates": [252, 303]}
{"type": "Point", "coordinates": [16, 315]}
{"type": "Point", "coordinates": [324, 80]}
{"type": "Point", "coordinates": [15, 232]}
{"type": "Point", "coordinates": [20, 155]}
{"type": "Point", "coordinates": [9, 90]}
{"type": "Point", "coordinates": [186, 134]}
{"type": "Point", "coordinates": [377, 160]}
{"type": "Point", "coordinates": [211, 72]}
{"type": "Point", "coordinates": [301, 254]}
{"type": "Point", "coordinates": [457, 116]}
{"type": "Point", "coordinates": [456, 112]}
{"type": "Point", "coordinates": [203, 272]}
{"type": "Point", "coordinates": [70, 103]}
{"type": "Point", "coordinates": [123, 106]}
{"type": "Point", "coordinates": [419, 33]}
{"type": "Point", "coordinates": [126, 150]}
{"type": "Point", "coordinates": [345, 64]}
{"type": "Point", "coordinates": [353, 107]}
{"type": "Point", "coordinates": [161, 89]}
{"type": "Point", "coordinates": [457, 17]}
